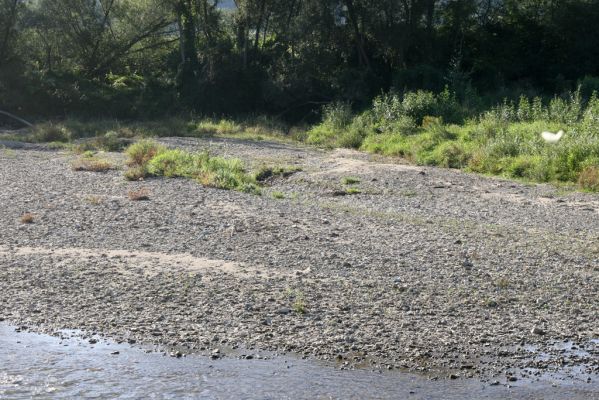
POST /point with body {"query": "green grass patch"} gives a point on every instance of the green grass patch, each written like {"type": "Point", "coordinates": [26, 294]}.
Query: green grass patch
{"type": "Point", "coordinates": [350, 180]}
{"type": "Point", "coordinates": [278, 195]}
{"type": "Point", "coordinates": [149, 158]}
{"type": "Point", "coordinates": [352, 190]}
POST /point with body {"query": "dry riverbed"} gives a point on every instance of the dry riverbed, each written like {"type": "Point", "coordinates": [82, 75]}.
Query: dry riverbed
{"type": "Point", "coordinates": [422, 269]}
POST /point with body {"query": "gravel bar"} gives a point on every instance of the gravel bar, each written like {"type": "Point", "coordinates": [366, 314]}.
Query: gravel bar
{"type": "Point", "coordinates": [421, 269]}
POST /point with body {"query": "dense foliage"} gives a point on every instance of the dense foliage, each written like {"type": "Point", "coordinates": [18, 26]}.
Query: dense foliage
{"type": "Point", "coordinates": [148, 58]}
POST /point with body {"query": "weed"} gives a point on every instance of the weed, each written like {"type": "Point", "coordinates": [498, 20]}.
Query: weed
{"type": "Point", "coordinates": [217, 172]}
{"type": "Point", "coordinates": [278, 195]}
{"type": "Point", "coordinates": [298, 305]}
{"type": "Point", "coordinates": [352, 190]}
{"type": "Point", "coordinates": [142, 152]}
{"type": "Point", "coordinates": [27, 218]}
{"type": "Point", "coordinates": [350, 180]}
{"type": "Point", "coordinates": [139, 195]}
{"type": "Point", "coordinates": [92, 164]}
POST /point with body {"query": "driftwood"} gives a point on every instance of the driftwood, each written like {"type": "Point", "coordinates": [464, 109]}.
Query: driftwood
{"type": "Point", "coordinates": [21, 120]}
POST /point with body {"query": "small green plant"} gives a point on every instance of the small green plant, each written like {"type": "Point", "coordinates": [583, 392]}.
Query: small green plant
{"type": "Point", "coordinates": [352, 190]}
{"type": "Point", "coordinates": [297, 296]}
{"type": "Point", "coordinates": [350, 180]}
{"type": "Point", "coordinates": [278, 195]}
{"type": "Point", "coordinates": [299, 305]}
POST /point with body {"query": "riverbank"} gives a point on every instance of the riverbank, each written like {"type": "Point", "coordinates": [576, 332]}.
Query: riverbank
{"type": "Point", "coordinates": [359, 261]}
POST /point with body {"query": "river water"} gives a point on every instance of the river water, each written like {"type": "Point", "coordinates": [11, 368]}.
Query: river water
{"type": "Point", "coordinates": [46, 367]}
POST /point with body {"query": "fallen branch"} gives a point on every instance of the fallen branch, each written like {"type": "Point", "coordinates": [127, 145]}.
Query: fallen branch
{"type": "Point", "coordinates": [17, 118]}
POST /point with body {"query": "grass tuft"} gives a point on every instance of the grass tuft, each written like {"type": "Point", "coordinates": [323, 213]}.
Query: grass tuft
{"type": "Point", "coordinates": [149, 158]}
{"type": "Point", "coordinates": [136, 173]}
{"type": "Point", "coordinates": [92, 164]}
{"type": "Point", "coordinates": [27, 218]}
{"type": "Point", "coordinates": [350, 180]}
{"type": "Point", "coordinates": [142, 152]}
{"type": "Point", "coordinates": [139, 195]}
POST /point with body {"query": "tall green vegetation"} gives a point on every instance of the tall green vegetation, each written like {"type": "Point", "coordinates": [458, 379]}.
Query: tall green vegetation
{"type": "Point", "coordinates": [148, 58]}
{"type": "Point", "coordinates": [148, 158]}
{"type": "Point", "coordinates": [435, 129]}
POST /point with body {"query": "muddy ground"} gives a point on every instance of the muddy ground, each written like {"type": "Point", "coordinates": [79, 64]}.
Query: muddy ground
{"type": "Point", "coordinates": [425, 269]}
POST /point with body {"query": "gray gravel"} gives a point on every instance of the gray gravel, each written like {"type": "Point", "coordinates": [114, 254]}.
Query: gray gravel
{"type": "Point", "coordinates": [426, 269]}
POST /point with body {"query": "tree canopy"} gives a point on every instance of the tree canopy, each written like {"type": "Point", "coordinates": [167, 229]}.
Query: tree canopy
{"type": "Point", "coordinates": [144, 58]}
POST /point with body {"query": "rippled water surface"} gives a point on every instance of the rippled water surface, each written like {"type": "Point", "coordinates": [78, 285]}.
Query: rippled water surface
{"type": "Point", "coordinates": [42, 366]}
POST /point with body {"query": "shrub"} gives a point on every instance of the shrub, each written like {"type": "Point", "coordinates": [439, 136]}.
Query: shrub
{"type": "Point", "coordinates": [50, 132]}
{"type": "Point", "coordinates": [143, 151]}
{"type": "Point", "coordinates": [169, 163]}
{"type": "Point", "coordinates": [419, 104]}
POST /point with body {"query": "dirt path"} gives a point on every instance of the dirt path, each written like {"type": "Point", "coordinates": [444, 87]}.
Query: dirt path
{"type": "Point", "coordinates": [424, 269]}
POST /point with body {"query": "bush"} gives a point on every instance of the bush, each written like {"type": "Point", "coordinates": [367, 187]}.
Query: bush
{"type": "Point", "coordinates": [143, 151]}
